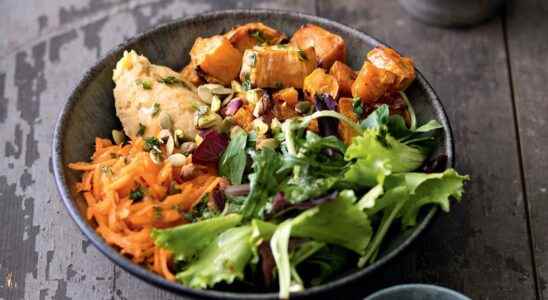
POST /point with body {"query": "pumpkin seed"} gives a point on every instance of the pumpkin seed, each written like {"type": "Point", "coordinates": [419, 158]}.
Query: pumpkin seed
{"type": "Point", "coordinates": [204, 93]}
{"type": "Point", "coordinates": [262, 106]}
{"type": "Point", "coordinates": [215, 104]}
{"type": "Point", "coordinates": [188, 172]}
{"type": "Point", "coordinates": [118, 136]}
{"type": "Point", "coordinates": [179, 137]}
{"type": "Point", "coordinates": [177, 159]}
{"type": "Point", "coordinates": [208, 120]}
{"type": "Point", "coordinates": [155, 156]}
{"type": "Point", "coordinates": [188, 147]}
{"type": "Point", "coordinates": [267, 143]}
{"type": "Point", "coordinates": [226, 124]}
{"type": "Point", "coordinates": [236, 86]}
{"type": "Point", "coordinates": [170, 145]}
{"type": "Point", "coordinates": [165, 121]}
{"type": "Point", "coordinates": [227, 99]}
{"type": "Point", "coordinates": [220, 90]}
{"type": "Point", "coordinates": [260, 127]}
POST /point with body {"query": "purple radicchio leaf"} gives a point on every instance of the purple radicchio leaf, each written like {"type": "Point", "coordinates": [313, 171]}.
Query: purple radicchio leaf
{"type": "Point", "coordinates": [327, 125]}
{"type": "Point", "coordinates": [438, 164]}
{"type": "Point", "coordinates": [267, 262]}
{"type": "Point", "coordinates": [287, 207]}
{"type": "Point", "coordinates": [232, 106]}
{"type": "Point", "coordinates": [210, 149]}
{"type": "Point", "coordinates": [219, 199]}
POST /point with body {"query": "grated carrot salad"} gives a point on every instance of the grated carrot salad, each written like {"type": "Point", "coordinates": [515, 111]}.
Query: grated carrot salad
{"type": "Point", "coordinates": [115, 171]}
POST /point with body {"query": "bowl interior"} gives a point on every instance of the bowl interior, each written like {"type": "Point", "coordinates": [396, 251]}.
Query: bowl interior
{"type": "Point", "coordinates": [90, 113]}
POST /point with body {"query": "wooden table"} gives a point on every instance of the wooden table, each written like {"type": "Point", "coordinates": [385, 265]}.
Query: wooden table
{"type": "Point", "coordinates": [492, 79]}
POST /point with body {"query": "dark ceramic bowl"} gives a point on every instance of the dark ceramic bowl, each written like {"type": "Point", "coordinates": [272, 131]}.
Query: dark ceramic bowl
{"type": "Point", "coordinates": [417, 292]}
{"type": "Point", "coordinates": [89, 112]}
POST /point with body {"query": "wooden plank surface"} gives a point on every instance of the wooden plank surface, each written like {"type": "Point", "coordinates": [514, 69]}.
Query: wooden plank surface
{"type": "Point", "coordinates": [481, 248]}
{"type": "Point", "coordinates": [527, 32]}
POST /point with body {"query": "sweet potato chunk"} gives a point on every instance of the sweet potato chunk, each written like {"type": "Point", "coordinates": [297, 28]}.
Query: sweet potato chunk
{"type": "Point", "coordinates": [190, 74]}
{"type": "Point", "coordinates": [244, 117]}
{"type": "Point", "coordinates": [277, 66]}
{"type": "Point", "coordinates": [318, 82]}
{"type": "Point", "coordinates": [346, 108]}
{"type": "Point", "coordinates": [372, 83]}
{"type": "Point", "coordinates": [389, 60]}
{"type": "Point", "coordinates": [288, 95]}
{"type": "Point", "coordinates": [216, 58]}
{"type": "Point", "coordinates": [252, 34]}
{"type": "Point", "coordinates": [283, 111]}
{"type": "Point", "coordinates": [328, 46]}
{"type": "Point", "coordinates": [344, 75]}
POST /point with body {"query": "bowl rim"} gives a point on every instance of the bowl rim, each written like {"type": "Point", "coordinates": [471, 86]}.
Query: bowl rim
{"type": "Point", "coordinates": [155, 279]}
{"type": "Point", "coordinates": [416, 286]}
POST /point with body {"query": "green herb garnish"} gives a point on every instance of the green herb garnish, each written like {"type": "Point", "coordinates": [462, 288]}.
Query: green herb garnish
{"type": "Point", "coordinates": [155, 109]}
{"type": "Point", "coordinates": [302, 55]}
{"type": "Point", "coordinates": [258, 35]}
{"type": "Point", "coordinates": [278, 85]}
{"type": "Point", "coordinates": [141, 130]}
{"type": "Point", "coordinates": [137, 194]}
{"type": "Point", "coordinates": [357, 106]}
{"type": "Point", "coordinates": [252, 59]}
{"type": "Point", "coordinates": [151, 143]}
{"type": "Point", "coordinates": [246, 83]}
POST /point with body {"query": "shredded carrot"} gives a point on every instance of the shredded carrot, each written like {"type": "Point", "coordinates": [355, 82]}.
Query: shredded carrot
{"type": "Point", "coordinates": [124, 221]}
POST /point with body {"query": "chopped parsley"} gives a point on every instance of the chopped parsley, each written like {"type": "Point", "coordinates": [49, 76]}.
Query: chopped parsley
{"type": "Point", "coordinates": [258, 35]}
{"type": "Point", "coordinates": [141, 130]}
{"type": "Point", "coordinates": [151, 143]}
{"type": "Point", "coordinates": [302, 55]}
{"type": "Point", "coordinates": [357, 106]}
{"type": "Point", "coordinates": [157, 212]}
{"type": "Point", "coordinates": [246, 83]}
{"type": "Point", "coordinates": [155, 109]}
{"type": "Point", "coordinates": [147, 85]}
{"type": "Point", "coordinates": [137, 194]}
{"type": "Point", "coordinates": [169, 80]}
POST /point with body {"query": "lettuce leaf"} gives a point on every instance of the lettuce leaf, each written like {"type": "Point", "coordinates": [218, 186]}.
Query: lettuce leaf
{"type": "Point", "coordinates": [233, 161]}
{"type": "Point", "coordinates": [434, 188]}
{"type": "Point", "coordinates": [188, 240]}
{"type": "Point", "coordinates": [263, 183]}
{"type": "Point", "coordinates": [338, 222]}
{"type": "Point", "coordinates": [224, 259]}
{"type": "Point", "coordinates": [376, 146]}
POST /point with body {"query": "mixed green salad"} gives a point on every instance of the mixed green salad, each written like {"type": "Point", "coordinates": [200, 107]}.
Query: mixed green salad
{"type": "Point", "coordinates": [308, 207]}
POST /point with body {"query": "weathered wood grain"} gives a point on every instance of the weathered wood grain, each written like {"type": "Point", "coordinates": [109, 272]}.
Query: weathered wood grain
{"type": "Point", "coordinates": [482, 246]}
{"type": "Point", "coordinates": [527, 32]}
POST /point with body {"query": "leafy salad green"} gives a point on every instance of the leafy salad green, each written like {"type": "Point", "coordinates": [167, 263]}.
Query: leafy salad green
{"type": "Point", "coordinates": [313, 203]}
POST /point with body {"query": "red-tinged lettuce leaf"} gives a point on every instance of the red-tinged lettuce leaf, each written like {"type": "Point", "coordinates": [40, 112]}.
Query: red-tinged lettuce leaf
{"type": "Point", "coordinates": [210, 149]}
{"type": "Point", "coordinates": [327, 125]}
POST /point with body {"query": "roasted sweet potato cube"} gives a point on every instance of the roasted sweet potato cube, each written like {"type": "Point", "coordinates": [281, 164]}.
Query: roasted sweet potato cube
{"type": "Point", "coordinates": [372, 83]}
{"type": "Point", "coordinates": [344, 75]}
{"type": "Point", "coordinates": [346, 108]}
{"type": "Point", "coordinates": [390, 60]}
{"type": "Point", "coordinates": [216, 58]}
{"type": "Point", "coordinates": [189, 73]}
{"type": "Point", "coordinates": [283, 111]}
{"type": "Point", "coordinates": [319, 82]}
{"type": "Point", "coordinates": [252, 34]}
{"type": "Point", "coordinates": [288, 95]}
{"type": "Point", "coordinates": [277, 66]}
{"type": "Point", "coordinates": [244, 117]}
{"type": "Point", "coordinates": [328, 46]}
